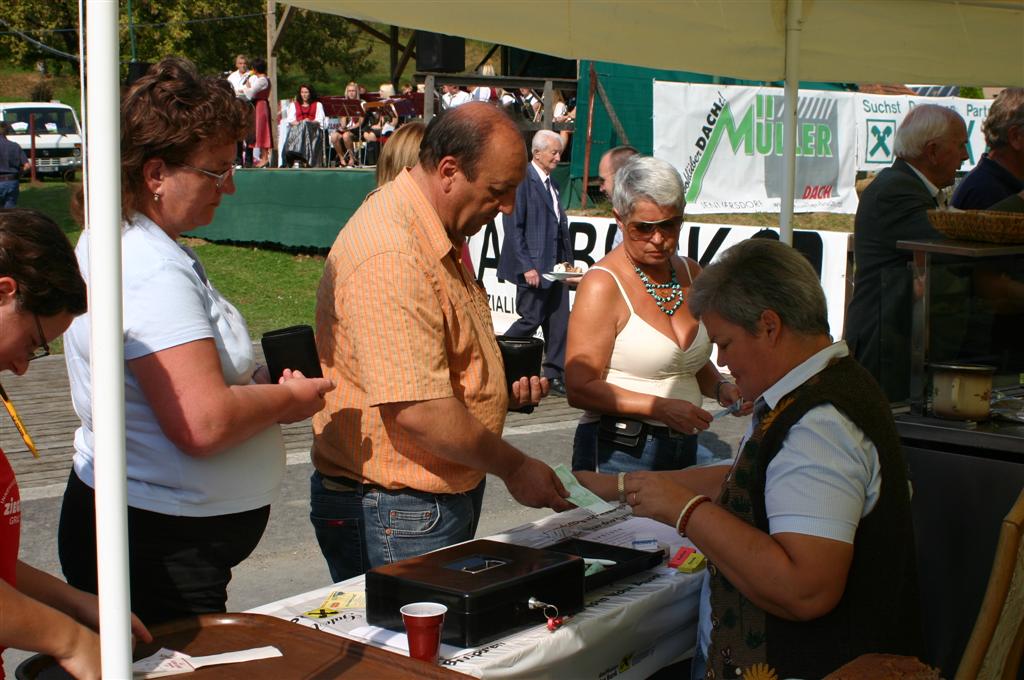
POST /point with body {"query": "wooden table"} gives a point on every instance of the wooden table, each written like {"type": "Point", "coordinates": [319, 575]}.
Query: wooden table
{"type": "Point", "coordinates": [307, 653]}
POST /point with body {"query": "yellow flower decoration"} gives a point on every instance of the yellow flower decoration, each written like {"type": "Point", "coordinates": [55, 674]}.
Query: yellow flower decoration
{"type": "Point", "coordinates": [770, 417]}
{"type": "Point", "coordinates": [760, 671]}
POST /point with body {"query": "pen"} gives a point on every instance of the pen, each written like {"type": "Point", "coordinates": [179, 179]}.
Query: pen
{"type": "Point", "coordinates": [17, 422]}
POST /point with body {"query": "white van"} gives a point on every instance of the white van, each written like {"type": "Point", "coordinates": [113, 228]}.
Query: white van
{"type": "Point", "coordinates": [57, 134]}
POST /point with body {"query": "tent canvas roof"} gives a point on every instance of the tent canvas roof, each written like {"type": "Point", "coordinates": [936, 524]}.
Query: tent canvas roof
{"type": "Point", "coordinates": [968, 42]}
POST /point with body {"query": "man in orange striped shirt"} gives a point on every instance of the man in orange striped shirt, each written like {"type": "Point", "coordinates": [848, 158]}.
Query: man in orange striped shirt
{"type": "Point", "coordinates": [402, 448]}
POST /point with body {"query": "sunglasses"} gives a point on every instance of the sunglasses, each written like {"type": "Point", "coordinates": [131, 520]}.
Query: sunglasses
{"type": "Point", "coordinates": [219, 178]}
{"type": "Point", "coordinates": [44, 348]}
{"type": "Point", "coordinates": [645, 230]}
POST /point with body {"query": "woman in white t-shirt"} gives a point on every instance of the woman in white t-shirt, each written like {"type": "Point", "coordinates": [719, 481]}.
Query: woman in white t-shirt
{"type": "Point", "coordinates": [205, 456]}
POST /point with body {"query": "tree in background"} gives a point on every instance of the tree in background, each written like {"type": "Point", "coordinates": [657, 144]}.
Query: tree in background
{"type": "Point", "coordinates": [209, 32]}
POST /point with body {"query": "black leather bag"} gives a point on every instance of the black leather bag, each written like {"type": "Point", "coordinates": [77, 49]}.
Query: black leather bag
{"type": "Point", "coordinates": [625, 432]}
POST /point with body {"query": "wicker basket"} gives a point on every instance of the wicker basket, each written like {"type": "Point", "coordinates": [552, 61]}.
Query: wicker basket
{"type": "Point", "coordinates": [989, 226]}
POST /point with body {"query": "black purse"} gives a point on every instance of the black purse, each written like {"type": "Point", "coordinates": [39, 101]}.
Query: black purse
{"type": "Point", "coordinates": [625, 432]}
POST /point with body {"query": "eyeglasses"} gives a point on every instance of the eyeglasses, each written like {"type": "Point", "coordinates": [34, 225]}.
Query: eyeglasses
{"type": "Point", "coordinates": [645, 230]}
{"type": "Point", "coordinates": [220, 178]}
{"type": "Point", "coordinates": [44, 349]}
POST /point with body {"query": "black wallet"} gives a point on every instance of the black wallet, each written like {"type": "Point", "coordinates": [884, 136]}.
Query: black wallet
{"type": "Point", "coordinates": [293, 347]}
{"type": "Point", "coordinates": [626, 432]}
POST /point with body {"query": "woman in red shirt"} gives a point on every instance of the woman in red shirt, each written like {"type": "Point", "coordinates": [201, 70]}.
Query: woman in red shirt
{"type": "Point", "coordinates": [41, 291]}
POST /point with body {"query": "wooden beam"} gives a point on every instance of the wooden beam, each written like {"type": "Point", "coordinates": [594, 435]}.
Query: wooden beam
{"type": "Point", "coordinates": [616, 123]}
{"type": "Point", "coordinates": [428, 98]}
{"type": "Point", "coordinates": [549, 104]}
{"type": "Point", "coordinates": [279, 28]}
{"type": "Point", "coordinates": [396, 75]}
{"type": "Point", "coordinates": [490, 53]}
{"type": "Point", "coordinates": [386, 39]}
{"type": "Point", "coordinates": [393, 56]}
{"type": "Point", "coordinates": [590, 135]}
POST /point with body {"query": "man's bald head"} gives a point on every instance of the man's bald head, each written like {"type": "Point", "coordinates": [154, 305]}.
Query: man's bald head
{"type": "Point", "coordinates": [611, 161]}
{"type": "Point", "coordinates": [464, 134]}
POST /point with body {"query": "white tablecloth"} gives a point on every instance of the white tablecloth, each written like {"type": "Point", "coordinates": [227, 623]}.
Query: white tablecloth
{"type": "Point", "coordinates": [627, 629]}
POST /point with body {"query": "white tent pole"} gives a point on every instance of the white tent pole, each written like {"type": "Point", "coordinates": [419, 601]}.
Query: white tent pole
{"type": "Point", "coordinates": [107, 345]}
{"type": "Point", "coordinates": [793, 25]}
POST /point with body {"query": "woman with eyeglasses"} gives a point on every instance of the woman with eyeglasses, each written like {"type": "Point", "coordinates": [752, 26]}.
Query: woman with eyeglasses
{"type": "Point", "coordinates": [41, 291]}
{"type": "Point", "coordinates": [205, 455]}
{"type": "Point", "coordinates": [637, 361]}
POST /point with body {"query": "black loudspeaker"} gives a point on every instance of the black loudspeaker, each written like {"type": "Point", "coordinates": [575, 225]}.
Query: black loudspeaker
{"type": "Point", "coordinates": [523, 64]}
{"type": "Point", "coordinates": [137, 69]}
{"type": "Point", "coordinates": [440, 53]}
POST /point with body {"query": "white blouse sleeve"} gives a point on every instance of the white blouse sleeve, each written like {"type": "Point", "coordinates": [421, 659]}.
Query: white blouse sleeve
{"type": "Point", "coordinates": [255, 85]}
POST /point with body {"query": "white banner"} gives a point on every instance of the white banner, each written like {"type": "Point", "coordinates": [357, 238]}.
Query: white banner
{"type": "Point", "coordinates": [726, 140]}
{"type": "Point", "coordinates": [879, 115]}
{"type": "Point", "coordinates": [592, 238]}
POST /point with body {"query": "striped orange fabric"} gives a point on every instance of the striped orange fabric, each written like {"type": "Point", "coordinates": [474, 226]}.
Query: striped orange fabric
{"type": "Point", "coordinates": [398, 318]}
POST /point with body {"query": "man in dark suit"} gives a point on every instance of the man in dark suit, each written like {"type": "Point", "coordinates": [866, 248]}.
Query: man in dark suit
{"type": "Point", "coordinates": [930, 146]}
{"type": "Point", "coordinates": [537, 238]}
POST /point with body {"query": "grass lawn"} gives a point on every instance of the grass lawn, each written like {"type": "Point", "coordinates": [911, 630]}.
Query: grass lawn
{"type": "Point", "coordinates": [271, 289]}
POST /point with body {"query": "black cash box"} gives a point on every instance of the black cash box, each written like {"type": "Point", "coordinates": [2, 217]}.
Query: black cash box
{"type": "Point", "coordinates": [486, 586]}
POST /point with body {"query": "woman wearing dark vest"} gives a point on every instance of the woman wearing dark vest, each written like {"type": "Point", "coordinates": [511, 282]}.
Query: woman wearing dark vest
{"type": "Point", "coordinates": [808, 532]}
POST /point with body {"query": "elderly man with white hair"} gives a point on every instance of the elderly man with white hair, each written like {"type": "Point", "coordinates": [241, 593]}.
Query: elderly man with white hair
{"type": "Point", "coordinates": [930, 146]}
{"type": "Point", "coordinates": [536, 239]}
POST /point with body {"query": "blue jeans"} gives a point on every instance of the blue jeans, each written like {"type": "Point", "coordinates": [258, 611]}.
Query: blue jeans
{"type": "Point", "coordinates": [9, 189]}
{"type": "Point", "coordinates": [653, 452]}
{"type": "Point", "coordinates": [360, 527]}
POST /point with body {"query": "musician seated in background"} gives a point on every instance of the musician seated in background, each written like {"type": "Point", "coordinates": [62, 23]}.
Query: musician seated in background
{"type": "Point", "coordinates": [531, 106]}
{"type": "Point", "coordinates": [305, 107]}
{"type": "Point", "coordinates": [305, 118]}
{"type": "Point", "coordinates": [344, 137]}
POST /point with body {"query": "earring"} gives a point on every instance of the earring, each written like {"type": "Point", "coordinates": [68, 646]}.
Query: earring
{"type": "Point", "coordinates": [156, 198]}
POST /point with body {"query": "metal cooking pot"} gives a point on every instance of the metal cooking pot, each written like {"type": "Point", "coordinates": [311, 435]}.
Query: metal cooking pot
{"type": "Point", "coordinates": [961, 391]}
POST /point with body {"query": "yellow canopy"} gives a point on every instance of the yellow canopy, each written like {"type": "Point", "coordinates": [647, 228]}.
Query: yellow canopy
{"type": "Point", "coordinates": [955, 42]}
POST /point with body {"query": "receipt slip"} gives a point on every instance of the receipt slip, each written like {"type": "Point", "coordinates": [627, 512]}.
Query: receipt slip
{"type": "Point", "coordinates": [169, 662]}
{"type": "Point", "coordinates": [579, 495]}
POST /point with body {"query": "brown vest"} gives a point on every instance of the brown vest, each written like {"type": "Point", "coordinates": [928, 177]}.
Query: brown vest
{"type": "Point", "coordinates": [879, 610]}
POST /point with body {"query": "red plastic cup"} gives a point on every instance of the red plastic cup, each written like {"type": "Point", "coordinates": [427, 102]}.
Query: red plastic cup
{"type": "Point", "coordinates": [423, 622]}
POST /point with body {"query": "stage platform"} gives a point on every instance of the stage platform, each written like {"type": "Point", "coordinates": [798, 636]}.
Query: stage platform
{"type": "Point", "coordinates": [296, 208]}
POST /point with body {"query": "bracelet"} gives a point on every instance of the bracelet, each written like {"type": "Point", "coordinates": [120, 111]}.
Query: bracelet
{"type": "Point", "coordinates": [622, 488]}
{"type": "Point", "coordinates": [718, 391]}
{"type": "Point", "coordinates": [682, 512]}
{"type": "Point", "coordinates": [684, 516]}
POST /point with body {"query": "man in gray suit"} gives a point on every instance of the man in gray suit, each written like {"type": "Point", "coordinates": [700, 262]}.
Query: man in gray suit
{"type": "Point", "coordinates": [536, 239]}
{"type": "Point", "coordinates": [930, 146]}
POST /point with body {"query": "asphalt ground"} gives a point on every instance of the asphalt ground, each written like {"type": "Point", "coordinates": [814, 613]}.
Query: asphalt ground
{"type": "Point", "coordinates": [288, 560]}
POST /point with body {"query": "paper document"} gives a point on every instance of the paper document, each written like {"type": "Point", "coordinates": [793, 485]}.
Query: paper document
{"type": "Point", "coordinates": [731, 408]}
{"type": "Point", "coordinates": [579, 495]}
{"type": "Point", "coordinates": [169, 662]}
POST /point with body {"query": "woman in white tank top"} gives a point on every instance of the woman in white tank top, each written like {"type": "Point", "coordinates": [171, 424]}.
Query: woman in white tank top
{"type": "Point", "coordinates": [637, 361]}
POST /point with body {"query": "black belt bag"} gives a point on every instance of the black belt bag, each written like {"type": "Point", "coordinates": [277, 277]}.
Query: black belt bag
{"type": "Point", "coordinates": [629, 432]}
{"type": "Point", "coordinates": [625, 432]}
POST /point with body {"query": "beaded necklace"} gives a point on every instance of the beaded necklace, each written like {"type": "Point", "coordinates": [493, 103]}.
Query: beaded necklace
{"type": "Point", "coordinates": [673, 286]}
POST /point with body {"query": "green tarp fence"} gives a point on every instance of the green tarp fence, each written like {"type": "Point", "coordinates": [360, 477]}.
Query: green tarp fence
{"type": "Point", "coordinates": [296, 208]}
